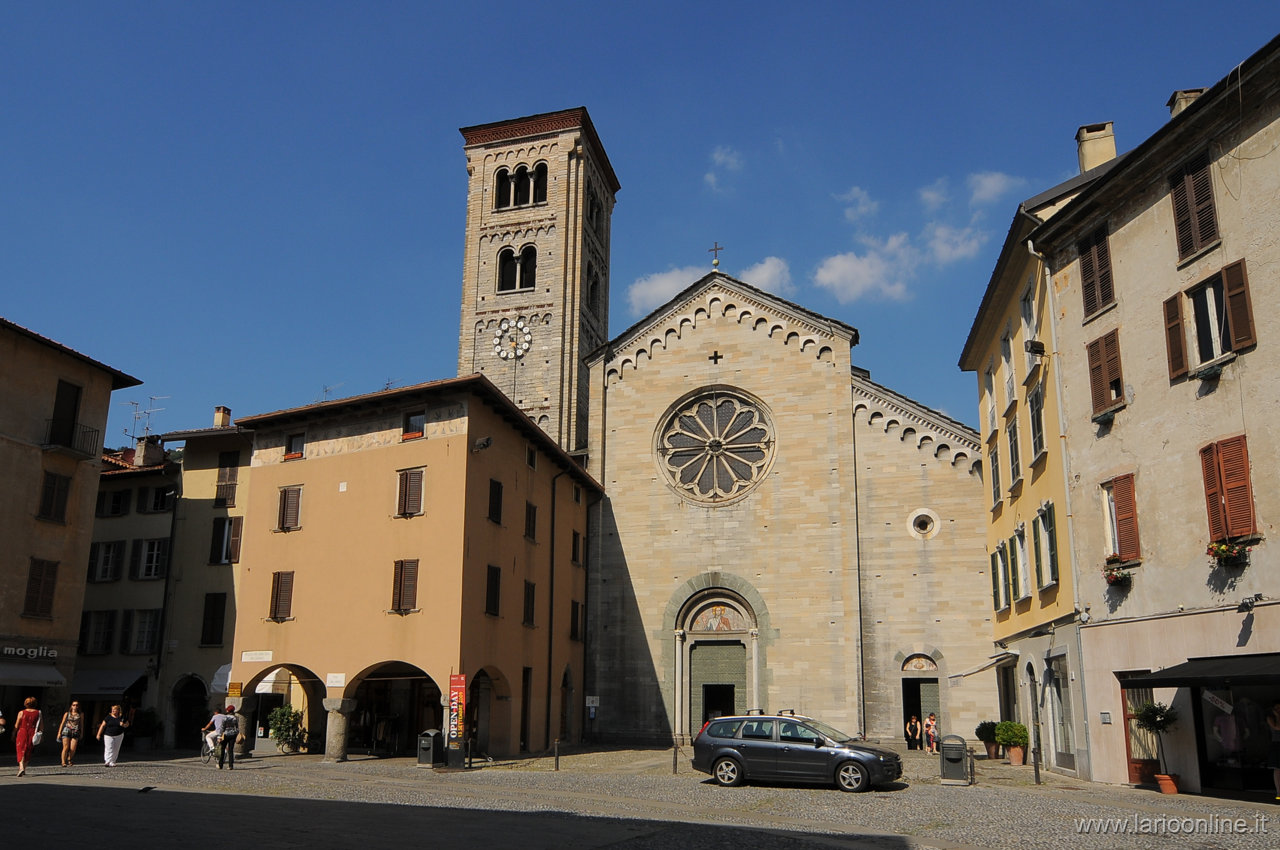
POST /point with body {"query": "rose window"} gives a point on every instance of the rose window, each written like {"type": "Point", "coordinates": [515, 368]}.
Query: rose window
{"type": "Point", "coordinates": [716, 447]}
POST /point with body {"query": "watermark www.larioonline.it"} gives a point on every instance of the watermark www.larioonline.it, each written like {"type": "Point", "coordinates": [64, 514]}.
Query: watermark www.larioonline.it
{"type": "Point", "coordinates": [1173, 825]}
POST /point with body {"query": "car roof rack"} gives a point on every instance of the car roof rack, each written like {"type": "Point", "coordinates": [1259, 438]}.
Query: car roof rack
{"type": "Point", "coordinates": [789, 711]}
{"type": "Point", "coordinates": [751, 711]}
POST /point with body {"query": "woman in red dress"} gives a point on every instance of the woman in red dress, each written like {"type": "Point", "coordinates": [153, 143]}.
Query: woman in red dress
{"type": "Point", "coordinates": [24, 729]}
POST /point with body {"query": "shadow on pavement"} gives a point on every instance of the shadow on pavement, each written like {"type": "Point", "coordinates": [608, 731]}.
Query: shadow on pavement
{"type": "Point", "coordinates": [39, 815]}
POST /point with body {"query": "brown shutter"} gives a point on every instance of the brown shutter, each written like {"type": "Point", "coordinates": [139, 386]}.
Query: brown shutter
{"type": "Point", "coordinates": [135, 559]}
{"type": "Point", "coordinates": [1111, 356]}
{"type": "Point", "coordinates": [1203, 217]}
{"type": "Point", "coordinates": [409, 501]}
{"type": "Point", "coordinates": [1213, 492]}
{"type": "Point", "coordinates": [1128, 546]}
{"type": "Point", "coordinates": [1088, 277]}
{"type": "Point", "coordinates": [1097, 377]}
{"type": "Point", "coordinates": [237, 527]}
{"type": "Point", "coordinates": [1182, 214]}
{"type": "Point", "coordinates": [162, 558]}
{"type": "Point", "coordinates": [35, 586]}
{"type": "Point", "coordinates": [126, 626]}
{"type": "Point", "coordinates": [1235, 284]}
{"type": "Point", "coordinates": [1175, 338]}
{"type": "Point", "coordinates": [408, 584]}
{"type": "Point", "coordinates": [215, 541]}
{"type": "Point", "coordinates": [1237, 494]}
{"type": "Point", "coordinates": [1102, 261]}
{"type": "Point", "coordinates": [93, 561]}
{"type": "Point", "coordinates": [144, 499]}
{"type": "Point", "coordinates": [290, 503]}
{"type": "Point", "coordinates": [281, 595]}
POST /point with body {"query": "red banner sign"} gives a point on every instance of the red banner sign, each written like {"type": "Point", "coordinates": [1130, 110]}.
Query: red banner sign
{"type": "Point", "coordinates": [457, 710]}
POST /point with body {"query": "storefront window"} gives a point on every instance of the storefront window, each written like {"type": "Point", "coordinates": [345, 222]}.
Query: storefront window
{"type": "Point", "coordinates": [1233, 727]}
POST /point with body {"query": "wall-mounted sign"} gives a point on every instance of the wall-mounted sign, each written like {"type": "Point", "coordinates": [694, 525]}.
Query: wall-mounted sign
{"type": "Point", "coordinates": [256, 655]}
{"type": "Point", "coordinates": [335, 680]}
{"type": "Point", "coordinates": [233, 689]}
{"type": "Point", "coordinates": [457, 720]}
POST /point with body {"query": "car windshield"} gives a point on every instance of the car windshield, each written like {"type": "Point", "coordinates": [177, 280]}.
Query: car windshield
{"type": "Point", "coordinates": [830, 731]}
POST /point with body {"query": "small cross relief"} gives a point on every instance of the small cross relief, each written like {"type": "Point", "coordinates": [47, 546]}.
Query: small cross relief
{"type": "Point", "coordinates": [716, 357]}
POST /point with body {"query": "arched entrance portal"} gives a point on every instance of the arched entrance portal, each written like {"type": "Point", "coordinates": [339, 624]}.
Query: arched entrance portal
{"type": "Point", "coordinates": [717, 659]}
{"type": "Point", "coordinates": [191, 710]}
{"type": "Point", "coordinates": [394, 702]}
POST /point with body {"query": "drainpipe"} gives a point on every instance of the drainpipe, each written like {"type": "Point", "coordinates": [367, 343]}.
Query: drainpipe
{"type": "Point", "coordinates": [551, 609]}
{"type": "Point", "coordinates": [168, 584]}
{"type": "Point", "coordinates": [862, 616]}
{"type": "Point", "coordinates": [1066, 495]}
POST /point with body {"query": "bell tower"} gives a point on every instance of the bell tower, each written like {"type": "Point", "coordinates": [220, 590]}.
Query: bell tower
{"type": "Point", "coordinates": [535, 273]}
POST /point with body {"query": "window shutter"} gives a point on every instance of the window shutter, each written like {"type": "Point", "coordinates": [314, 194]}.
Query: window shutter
{"type": "Point", "coordinates": [1127, 541]}
{"type": "Point", "coordinates": [35, 583]}
{"type": "Point", "coordinates": [1015, 569]}
{"type": "Point", "coordinates": [135, 559]}
{"type": "Point", "coordinates": [1036, 526]}
{"type": "Point", "coordinates": [1102, 261]}
{"type": "Point", "coordinates": [290, 503]}
{"type": "Point", "coordinates": [995, 581]}
{"type": "Point", "coordinates": [237, 528]}
{"type": "Point", "coordinates": [162, 557]}
{"type": "Point", "coordinates": [126, 626]}
{"type": "Point", "coordinates": [1213, 492]}
{"type": "Point", "coordinates": [101, 505]}
{"type": "Point", "coordinates": [409, 502]}
{"type": "Point", "coordinates": [1097, 376]}
{"type": "Point", "coordinates": [1088, 277]}
{"type": "Point", "coordinates": [93, 561]}
{"type": "Point", "coordinates": [1203, 217]}
{"type": "Point", "coordinates": [117, 560]}
{"type": "Point", "coordinates": [1051, 541]}
{"type": "Point", "coordinates": [1181, 214]}
{"type": "Point", "coordinates": [281, 595]}
{"type": "Point", "coordinates": [1237, 494]}
{"type": "Point", "coordinates": [215, 543]}
{"type": "Point", "coordinates": [85, 618]}
{"type": "Point", "coordinates": [144, 499]}
{"type": "Point", "coordinates": [1175, 338]}
{"type": "Point", "coordinates": [1111, 357]}
{"type": "Point", "coordinates": [1235, 285]}
{"type": "Point", "coordinates": [404, 590]}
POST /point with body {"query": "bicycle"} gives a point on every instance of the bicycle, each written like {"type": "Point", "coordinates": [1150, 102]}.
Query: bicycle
{"type": "Point", "coordinates": [208, 753]}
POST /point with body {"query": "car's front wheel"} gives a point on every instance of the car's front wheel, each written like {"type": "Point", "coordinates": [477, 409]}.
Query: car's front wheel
{"type": "Point", "coordinates": [852, 776]}
{"type": "Point", "coordinates": [727, 772]}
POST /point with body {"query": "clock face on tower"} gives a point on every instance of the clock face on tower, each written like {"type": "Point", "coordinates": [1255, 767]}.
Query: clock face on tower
{"type": "Point", "coordinates": [512, 339]}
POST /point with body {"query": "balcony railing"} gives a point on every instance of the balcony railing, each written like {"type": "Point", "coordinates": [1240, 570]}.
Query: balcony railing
{"type": "Point", "coordinates": [72, 437]}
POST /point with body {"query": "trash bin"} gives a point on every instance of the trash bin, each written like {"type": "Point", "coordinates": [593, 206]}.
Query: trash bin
{"type": "Point", "coordinates": [430, 748]}
{"type": "Point", "coordinates": [954, 758]}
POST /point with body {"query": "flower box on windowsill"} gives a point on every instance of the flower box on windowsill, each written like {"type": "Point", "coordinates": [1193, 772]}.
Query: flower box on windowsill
{"type": "Point", "coordinates": [1105, 417]}
{"type": "Point", "coordinates": [292, 455]}
{"type": "Point", "coordinates": [1231, 556]}
{"type": "Point", "coordinates": [1117, 577]}
{"type": "Point", "coordinates": [410, 435]}
{"type": "Point", "coordinates": [1211, 370]}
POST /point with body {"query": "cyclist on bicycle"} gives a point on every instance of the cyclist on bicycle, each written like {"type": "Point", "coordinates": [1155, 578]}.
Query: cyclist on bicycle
{"type": "Point", "coordinates": [224, 728]}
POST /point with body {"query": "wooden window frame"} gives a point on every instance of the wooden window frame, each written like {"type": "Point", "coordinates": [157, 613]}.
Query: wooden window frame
{"type": "Point", "coordinates": [54, 495]}
{"type": "Point", "coordinates": [281, 596]}
{"type": "Point", "coordinates": [1106, 374]}
{"type": "Point", "coordinates": [1228, 490]}
{"type": "Point", "coordinates": [213, 622]}
{"type": "Point", "coordinates": [1096, 283]}
{"type": "Point", "coordinates": [1122, 508]}
{"type": "Point", "coordinates": [289, 516]}
{"type": "Point", "coordinates": [530, 603]}
{"type": "Point", "coordinates": [42, 583]}
{"type": "Point", "coordinates": [224, 545]}
{"type": "Point", "coordinates": [530, 521]}
{"type": "Point", "coordinates": [495, 501]}
{"type": "Point", "coordinates": [493, 591]}
{"type": "Point", "coordinates": [1237, 334]}
{"type": "Point", "coordinates": [409, 492]}
{"type": "Point", "coordinates": [290, 451]}
{"type": "Point", "coordinates": [404, 586]}
{"type": "Point", "coordinates": [97, 632]}
{"type": "Point", "coordinates": [1195, 217]}
{"type": "Point", "coordinates": [413, 424]}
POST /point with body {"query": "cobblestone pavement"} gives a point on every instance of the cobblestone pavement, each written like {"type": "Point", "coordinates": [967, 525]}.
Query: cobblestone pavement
{"type": "Point", "coordinates": [604, 797]}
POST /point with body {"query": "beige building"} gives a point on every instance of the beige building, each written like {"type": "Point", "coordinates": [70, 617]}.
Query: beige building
{"type": "Point", "coordinates": [1167, 312]}
{"type": "Point", "coordinates": [395, 539]}
{"type": "Point", "coordinates": [1034, 588]}
{"type": "Point", "coordinates": [124, 612]}
{"type": "Point", "coordinates": [535, 271]}
{"type": "Point", "coordinates": [779, 531]}
{"type": "Point", "coordinates": [201, 613]}
{"type": "Point", "coordinates": [53, 407]}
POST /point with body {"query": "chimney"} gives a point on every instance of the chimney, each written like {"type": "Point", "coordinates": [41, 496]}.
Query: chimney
{"type": "Point", "coordinates": [1095, 144]}
{"type": "Point", "coordinates": [1181, 99]}
{"type": "Point", "coordinates": [149, 451]}
{"type": "Point", "coordinates": [221, 417]}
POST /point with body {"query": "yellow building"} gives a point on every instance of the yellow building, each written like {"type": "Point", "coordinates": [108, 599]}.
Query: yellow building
{"type": "Point", "coordinates": [1034, 598]}
{"type": "Point", "coordinates": [396, 539]}
{"type": "Point", "coordinates": [53, 407]}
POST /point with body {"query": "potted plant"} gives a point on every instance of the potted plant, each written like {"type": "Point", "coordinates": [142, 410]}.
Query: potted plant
{"type": "Point", "coordinates": [1159, 718]}
{"type": "Point", "coordinates": [986, 733]}
{"type": "Point", "coordinates": [1116, 576]}
{"type": "Point", "coordinates": [1114, 558]}
{"type": "Point", "coordinates": [285, 723]}
{"type": "Point", "coordinates": [1014, 738]}
{"type": "Point", "coordinates": [1228, 554]}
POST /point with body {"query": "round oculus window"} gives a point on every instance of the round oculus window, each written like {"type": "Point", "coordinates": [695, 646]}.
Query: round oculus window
{"type": "Point", "coordinates": [715, 447]}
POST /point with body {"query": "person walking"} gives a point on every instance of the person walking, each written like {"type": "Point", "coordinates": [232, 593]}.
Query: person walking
{"type": "Point", "coordinates": [913, 733]}
{"type": "Point", "coordinates": [225, 728]}
{"type": "Point", "coordinates": [111, 733]}
{"type": "Point", "coordinates": [24, 732]}
{"type": "Point", "coordinates": [931, 734]}
{"type": "Point", "coordinates": [70, 731]}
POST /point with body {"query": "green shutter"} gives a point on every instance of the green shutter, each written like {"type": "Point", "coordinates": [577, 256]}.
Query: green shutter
{"type": "Point", "coordinates": [1035, 535]}
{"type": "Point", "coordinates": [1051, 540]}
{"type": "Point", "coordinates": [995, 581]}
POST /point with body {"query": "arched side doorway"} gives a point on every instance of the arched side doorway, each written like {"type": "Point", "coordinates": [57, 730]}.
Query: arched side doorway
{"type": "Point", "coordinates": [285, 684]}
{"type": "Point", "coordinates": [191, 710]}
{"type": "Point", "coordinates": [717, 659]}
{"type": "Point", "coordinates": [920, 694]}
{"type": "Point", "coordinates": [395, 701]}
{"type": "Point", "coordinates": [489, 713]}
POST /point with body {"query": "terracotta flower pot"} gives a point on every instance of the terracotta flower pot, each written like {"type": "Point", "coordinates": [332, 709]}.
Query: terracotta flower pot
{"type": "Point", "coordinates": [1016, 755]}
{"type": "Point", "coordinates": [993, 750]}
{"type": "Point", "coordinates": [1168, 783]}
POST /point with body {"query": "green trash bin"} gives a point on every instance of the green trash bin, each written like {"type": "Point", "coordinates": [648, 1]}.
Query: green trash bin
{"type": "Point", "coordinates": [953, 756]}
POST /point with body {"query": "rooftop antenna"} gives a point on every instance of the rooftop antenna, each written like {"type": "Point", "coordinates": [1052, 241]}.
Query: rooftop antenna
{"type": "Point", "coordinates": [325, 390]}
{"type": "Point", "coordinates": [151, 408]}
{"type": "Point", "coordinates": [131, 433]}
{"type": "Point", "coordinates": [389, 384]}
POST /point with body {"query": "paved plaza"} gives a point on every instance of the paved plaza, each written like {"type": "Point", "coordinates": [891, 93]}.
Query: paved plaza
{"type": "Point", "coordinates": [602, 798]}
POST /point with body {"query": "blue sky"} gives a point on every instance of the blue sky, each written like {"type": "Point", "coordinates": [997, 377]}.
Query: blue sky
{"type": "Point", "coordinates": [248, 203]}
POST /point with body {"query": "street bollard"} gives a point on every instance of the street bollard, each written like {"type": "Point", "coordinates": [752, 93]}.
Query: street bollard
{"type": "Point", "coordinates": [557, 751]}
{"type": "Point", "coordinates": [675, 756]}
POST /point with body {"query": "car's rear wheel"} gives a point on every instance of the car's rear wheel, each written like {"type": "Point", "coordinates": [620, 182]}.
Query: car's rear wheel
{"type": "Point", "coordinates": [852, 776]}
{"type": "Point", "coordinates": [727, 772]}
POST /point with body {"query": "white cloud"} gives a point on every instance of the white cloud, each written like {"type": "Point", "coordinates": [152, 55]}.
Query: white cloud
{"type": "Point", "coordinates": [881, 272]}
{"type": "Point", "coordinates": [727, 158]}
{"type": "Point", "coordinates": [653, 290]}
{"type": "Point", "coordinates": [934, 195]}
{"type": "Point", "coordinates": [860, 203]}
{"type": "Point", "coordinates": [711, 180]}
{"type": "Point", "coordinates": [989, 186]}
{"type": "Point", "coordinates": [771, 274]}
{"type": "Point", "coordinates": [948, 244]}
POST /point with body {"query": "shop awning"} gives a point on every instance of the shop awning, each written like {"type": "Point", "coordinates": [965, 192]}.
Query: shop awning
{"type": "Point", "coordinates": [22, 674]}
{"type": "Point", "coordinates": [103, 683]}
{"type": "Point", "coordinates": [998, 658]}
{"type": "Point", "coordinates": [221, 677]}
{"type": "Point", "coordinates": [1216, 672]}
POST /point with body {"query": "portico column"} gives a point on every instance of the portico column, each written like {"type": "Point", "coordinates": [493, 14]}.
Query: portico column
{"type": "Point", "coordinates": [245, 740]}
{"type": "Point", "coordinates": [335, 732]}
{"type": "Point", "coordinates": [679, 725]}
{"type": "Point", "coordinates": [755, 668]}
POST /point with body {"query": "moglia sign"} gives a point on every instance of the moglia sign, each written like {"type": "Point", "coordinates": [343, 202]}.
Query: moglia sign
{"type": "Point", "coordinates": [31, 652]}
